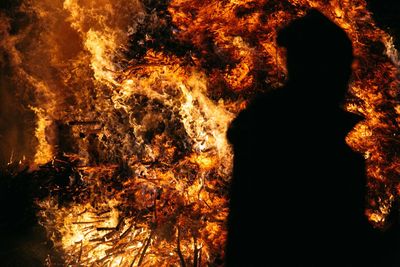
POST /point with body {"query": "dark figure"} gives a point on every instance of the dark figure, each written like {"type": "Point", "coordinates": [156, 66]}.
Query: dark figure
{"type": "Point", "coordinates": [298, 190]}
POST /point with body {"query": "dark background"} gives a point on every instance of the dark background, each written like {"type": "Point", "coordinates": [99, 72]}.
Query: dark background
{"type": "Point", "coordinates": [387, 16]}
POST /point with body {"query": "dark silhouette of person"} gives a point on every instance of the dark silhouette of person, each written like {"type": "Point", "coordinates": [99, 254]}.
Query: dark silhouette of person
{"type": "Point", "coordinates": [297, 195]}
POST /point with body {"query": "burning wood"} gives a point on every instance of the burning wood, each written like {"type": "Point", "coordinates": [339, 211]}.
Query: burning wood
{"type": "Point", "coordinates": [132, 102]}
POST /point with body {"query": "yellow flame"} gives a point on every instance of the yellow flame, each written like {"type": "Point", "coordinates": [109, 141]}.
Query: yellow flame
{"type": "Point", "coordinates": [44, 150]}
{"type": "Point", "coordinates": [72, 59]}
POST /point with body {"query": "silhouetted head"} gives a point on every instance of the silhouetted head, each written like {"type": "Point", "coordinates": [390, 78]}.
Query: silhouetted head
{"type": "Point", "coordinates": [319, 56]}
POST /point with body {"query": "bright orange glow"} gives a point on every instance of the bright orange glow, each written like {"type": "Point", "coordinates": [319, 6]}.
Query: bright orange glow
{"type": "Point", "coordinates": [138, 100]}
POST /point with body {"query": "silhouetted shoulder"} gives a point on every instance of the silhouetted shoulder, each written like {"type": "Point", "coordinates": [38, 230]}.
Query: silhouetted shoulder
{"type": "Point", "coordinates": [261, 108]}
{"type": "Point", "coordinates": [292, 164]}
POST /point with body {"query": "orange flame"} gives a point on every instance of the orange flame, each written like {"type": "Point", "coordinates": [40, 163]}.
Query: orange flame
{"type": "Point", "coordinates": [106, 83]}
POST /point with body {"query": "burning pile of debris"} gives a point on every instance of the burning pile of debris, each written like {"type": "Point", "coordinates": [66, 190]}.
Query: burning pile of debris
{"type": "Point", "coordinates": [132, 100]}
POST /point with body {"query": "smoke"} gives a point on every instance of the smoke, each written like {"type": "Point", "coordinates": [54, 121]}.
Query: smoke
{"type": "Point", "coordinates": [16, 121]}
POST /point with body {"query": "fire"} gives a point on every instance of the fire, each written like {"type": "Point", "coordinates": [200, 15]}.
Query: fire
{"type": "Point", "coordinates": [44, 151]}
{"type": "Point", "coordinates": [133, 100]}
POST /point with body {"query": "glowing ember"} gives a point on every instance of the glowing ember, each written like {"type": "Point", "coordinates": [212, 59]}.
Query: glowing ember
{"type": "Point", "coordinates": [136, 98]}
